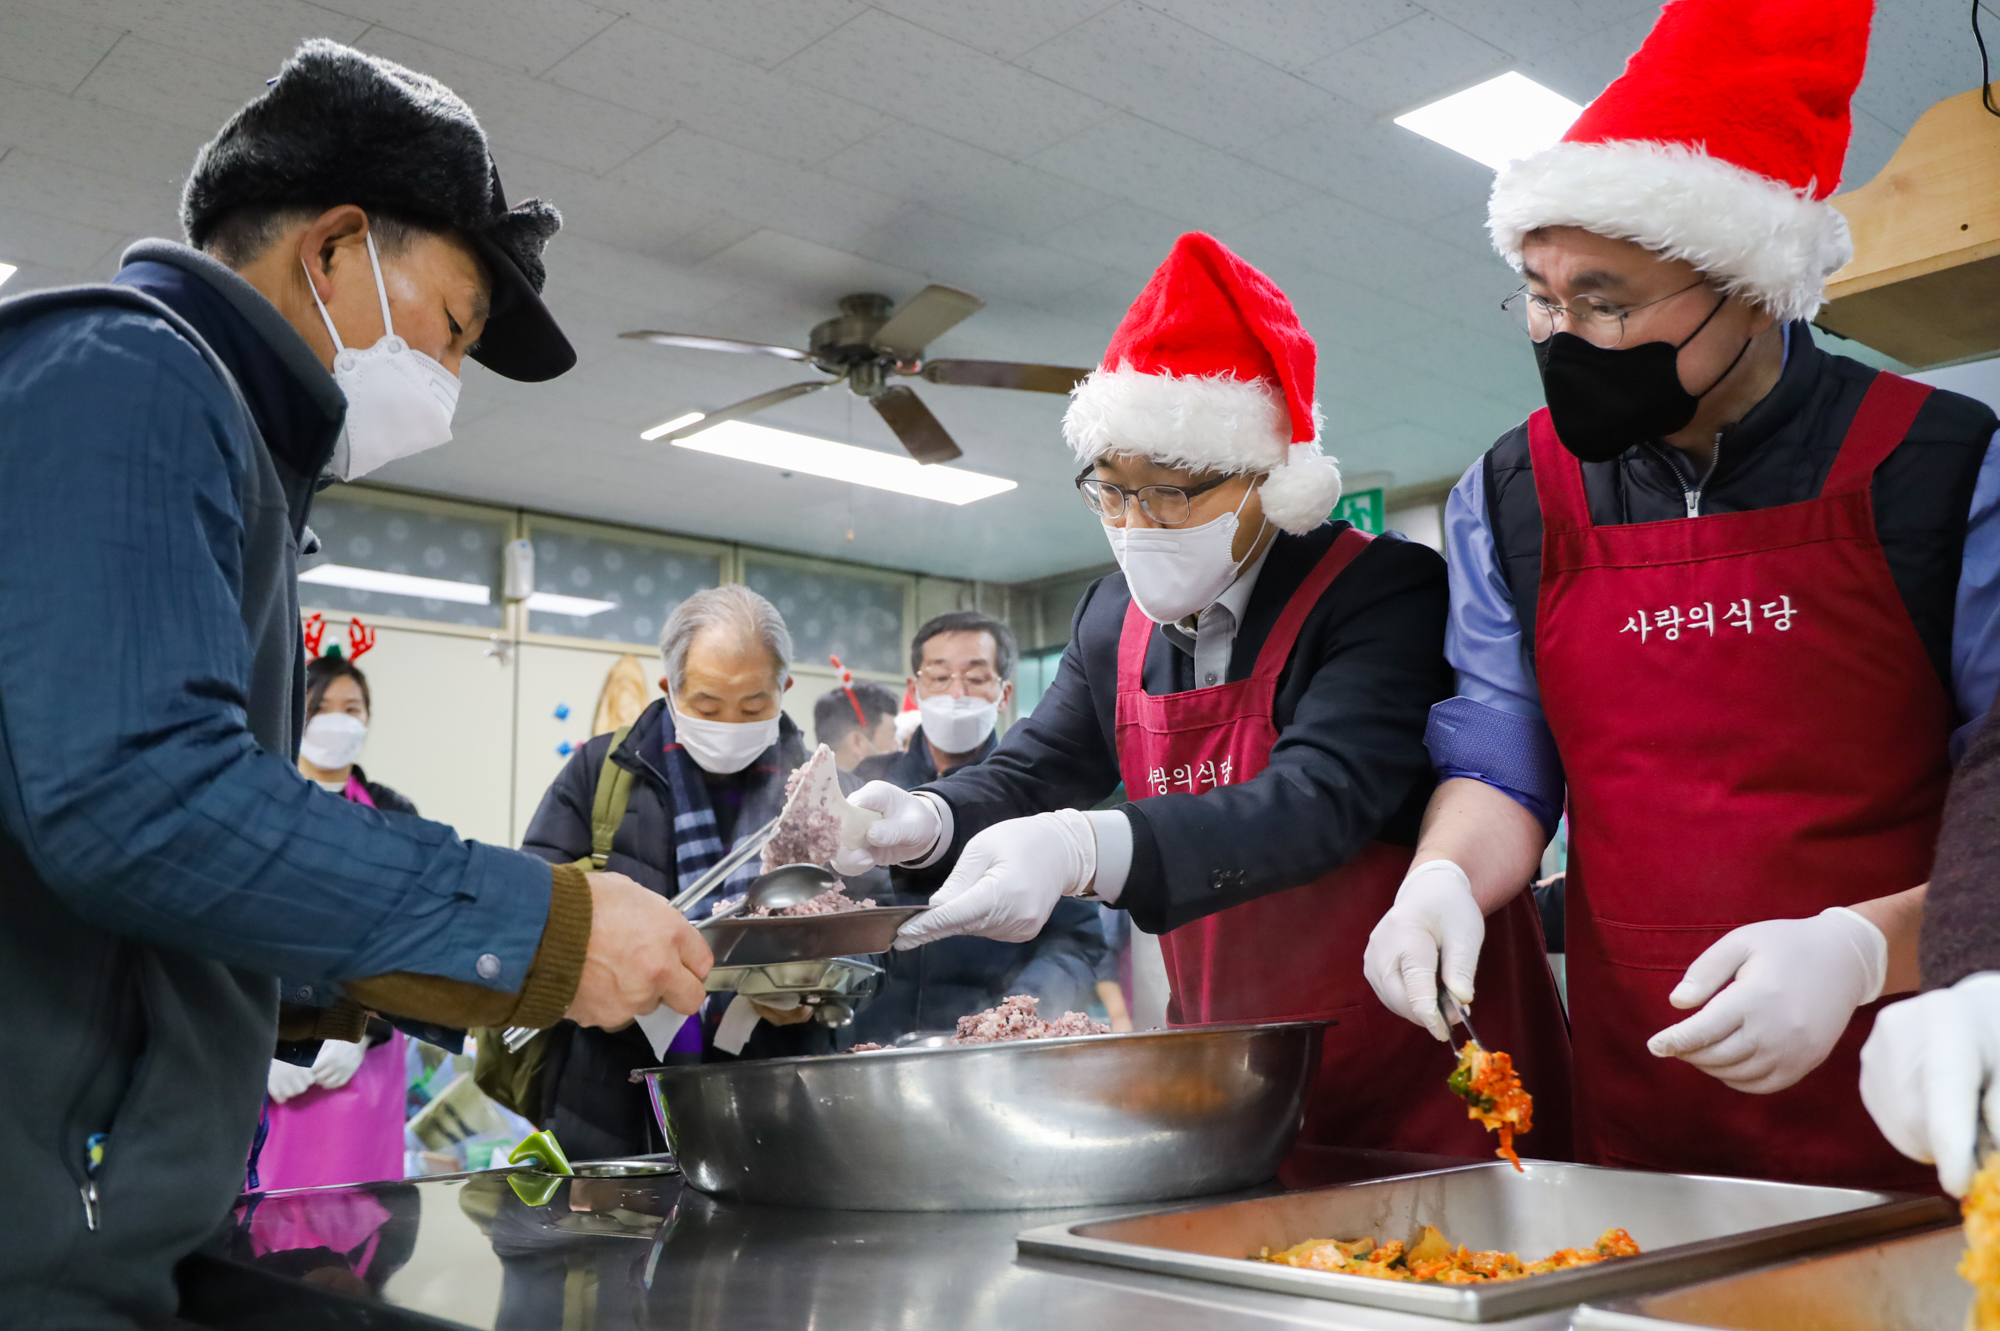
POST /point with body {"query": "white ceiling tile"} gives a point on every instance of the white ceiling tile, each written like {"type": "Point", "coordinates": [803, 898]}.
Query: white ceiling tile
{"type": "Point", "coordinates": [1006, 30]}
{"type": "Point", "coordinates": [814, 275]}
{"type": "Point", "coordinates": [1169, 173]}
{"type": "Point", "coordinates": [640, 220]}
{"type": "Point", "coordinates": [1416, 61]}
{"type": "Point", "coordinates": [1919, 53]}
{"type": "Point", "coordinates": [259, 35]}
{"type": "Point", "coordinates": [146, 78]}
{"type": "Point", "coordinates": [958, 180]}
{"type": "Point", "coordinates": [764, 32]}
{"type": "Point", "coordinates": [1869, 149]}
{"type": "Point", "coordinates": [666, 76]}
{"type": "Point", "coordinates": [1339, 238]}
{"type": "Point", "coordinates": [913, 74]}
{"type": "Point", "coordinates": [105, 138]}
{"type": "Point", "coordinates": [528, 37]}
{"type": "Point", "coordinates": [532, 115]}
{"type": "Point", "coordinates": [989, 265]}
{"type": "Point", "coordinates": [94, 198]}
{"type": "Point", "coordinates": [1124, 236]}
{"type": "Point", "coordinates": [1584, 66]}
{"type": "Point", "coordinates": [1288, 33]}
{"type": "Point", "coordinates": [1522, 26]}
{"type": "Point", "coordinates": [63, 245]}
{"type": "Point", "coordinates": [1464, 231]}
{"type": "Point", "coordinates": [48, 49]}
{"type": "Point", "coordinates": [759, 189]}
{"type": "Point", "coordinates": [1164, 71]}
{"type": "Point", "coordinates": [1384, 168]}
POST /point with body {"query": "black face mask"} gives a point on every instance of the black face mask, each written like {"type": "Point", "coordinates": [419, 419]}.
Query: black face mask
{"type": "Point", "coordinates": [1602, 401]}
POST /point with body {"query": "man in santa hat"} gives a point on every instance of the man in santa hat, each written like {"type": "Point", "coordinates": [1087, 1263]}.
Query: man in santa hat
{"type": "Point", "coordinates": [1731, 598]}
{"type": "Point", "coordinates": [1258, 677]}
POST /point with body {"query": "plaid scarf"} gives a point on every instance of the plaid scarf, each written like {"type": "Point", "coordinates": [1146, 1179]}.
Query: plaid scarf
{"type": "Point", "coordinates": [698, 843]}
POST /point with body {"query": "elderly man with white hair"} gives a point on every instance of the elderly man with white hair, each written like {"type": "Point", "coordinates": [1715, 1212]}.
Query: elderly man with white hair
{"type": "Point", "coordinates": [708, 764]}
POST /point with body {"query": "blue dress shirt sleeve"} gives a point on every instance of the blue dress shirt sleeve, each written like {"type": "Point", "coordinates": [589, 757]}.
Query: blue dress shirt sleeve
{"type": "Point", "coordinates": [1975, 629]}
{"type": "Point", "coordinates": [1493, 730]}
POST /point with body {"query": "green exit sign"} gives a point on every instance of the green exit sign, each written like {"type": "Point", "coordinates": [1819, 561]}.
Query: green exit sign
{"type": "Point", "coordinates": [1363, 508]}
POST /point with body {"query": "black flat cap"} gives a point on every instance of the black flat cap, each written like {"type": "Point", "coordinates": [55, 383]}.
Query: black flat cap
{"type": "Point", "coordinates": [338, 126]}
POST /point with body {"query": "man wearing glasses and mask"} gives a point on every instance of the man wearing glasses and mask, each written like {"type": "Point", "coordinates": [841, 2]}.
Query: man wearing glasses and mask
{"type": "Point", "coordinates": [963, 664]}
{"type": "Point", "coordinates": [1729, 598]}
{"type": "Point", "coordinates": [1258, 678]}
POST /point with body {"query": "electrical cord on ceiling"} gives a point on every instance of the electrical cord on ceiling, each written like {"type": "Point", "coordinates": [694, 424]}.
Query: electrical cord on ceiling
{"type": "Point", "coordinates": [1985, 67]}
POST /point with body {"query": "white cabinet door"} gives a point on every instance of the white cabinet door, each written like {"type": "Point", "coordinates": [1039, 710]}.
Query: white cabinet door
{"type": "Point", "coordinates": [557, 679]}
{"type": "Point", "coordinates": [438, 731]}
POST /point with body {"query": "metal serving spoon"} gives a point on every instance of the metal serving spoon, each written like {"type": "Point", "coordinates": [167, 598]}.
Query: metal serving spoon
{"type": "Point", "coordinates": [782, 888]}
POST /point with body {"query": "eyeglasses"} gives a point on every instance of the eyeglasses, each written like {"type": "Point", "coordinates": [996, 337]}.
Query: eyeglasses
{"type": "Point", "coordinates": [1598, 322]}
{"type": "Point", "coordinates": [937, 681]}
{"type": "Point", "coordinates": [1167, 505]}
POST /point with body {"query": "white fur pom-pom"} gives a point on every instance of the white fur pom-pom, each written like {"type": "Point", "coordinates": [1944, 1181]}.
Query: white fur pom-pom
{"type": "Point", "coordinates": [1299, 495]}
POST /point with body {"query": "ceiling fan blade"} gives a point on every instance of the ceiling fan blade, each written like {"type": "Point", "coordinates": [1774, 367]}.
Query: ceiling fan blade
{"type": "Point", "coordinates": [749, 406]}
{"type": "Point", "coordinates": [1005, 374]}
{"type": "Point", "coordinates": [913, 423]}
{"type": "Point", "coordinates": [925, 317]}
{"type": "Point", "coordinates": [699, 343]}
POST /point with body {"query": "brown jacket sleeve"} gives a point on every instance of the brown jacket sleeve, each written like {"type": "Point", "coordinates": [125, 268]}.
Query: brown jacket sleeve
{"type": "Point", "coordinates": [1961, 932]}
{"type": "Point", "coordinates": [553, 974]}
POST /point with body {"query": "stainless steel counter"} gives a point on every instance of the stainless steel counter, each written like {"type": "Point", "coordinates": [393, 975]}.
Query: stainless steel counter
{"type": "Point", "coordinates": [651, 1254]}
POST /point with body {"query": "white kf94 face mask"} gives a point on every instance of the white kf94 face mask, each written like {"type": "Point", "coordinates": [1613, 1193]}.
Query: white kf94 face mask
{"type": "Point", "coordinates": [399, 401]}
{"type": "Point", "coordinates": [333, 740]}
{"type": "Point", "coordinates": [1174, 572]}
{"type": "Point", "coordinates": [957, 725]}
{"type": "Point", "coordinates": [723, 747]}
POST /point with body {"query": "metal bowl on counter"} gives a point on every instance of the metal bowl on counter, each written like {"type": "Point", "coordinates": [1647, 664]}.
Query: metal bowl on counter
{"type": "Point", "coordinates": [1091, 1120]}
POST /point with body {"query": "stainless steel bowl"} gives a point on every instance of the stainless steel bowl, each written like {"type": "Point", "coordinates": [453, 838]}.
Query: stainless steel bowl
{"type": "Point", "coordinates": [1096, 1120]}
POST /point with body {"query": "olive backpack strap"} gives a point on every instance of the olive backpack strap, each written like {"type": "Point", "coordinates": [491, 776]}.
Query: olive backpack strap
{"type": "Point", "coordinates": [607, 809]}
{"type": "Point", "coordinates": [517, 1078]}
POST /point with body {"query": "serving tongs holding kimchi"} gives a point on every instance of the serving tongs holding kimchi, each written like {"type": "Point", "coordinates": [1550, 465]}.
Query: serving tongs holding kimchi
{"type": "Point", "coordinates": [1490, 1087]}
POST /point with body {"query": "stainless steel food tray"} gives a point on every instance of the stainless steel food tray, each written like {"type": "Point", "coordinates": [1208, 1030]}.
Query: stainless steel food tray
{"type": "Point", "coordinates": [1690, 1227]}
{"type": "Point", "coordinates": [765, 942]}
{"type": "Point", "coordinates": [1905, 1284]}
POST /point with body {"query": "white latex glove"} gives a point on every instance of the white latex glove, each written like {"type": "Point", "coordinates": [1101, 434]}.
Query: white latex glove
{"type": "Point", "coordinates": [1435, 928]}
{"type": "Point", "coordinates": [1778, 995]}
{"type": "Point", "coordinates": [286, 1080]}
{"type": "Point", "coordinates": [1009, 879]}
{"type": "Point", "coordinates": [1928, 1075]}
{"type": "Point", "coordinates": [337, 1062]}
{"type": "Point", "coordinates": [908, 831]}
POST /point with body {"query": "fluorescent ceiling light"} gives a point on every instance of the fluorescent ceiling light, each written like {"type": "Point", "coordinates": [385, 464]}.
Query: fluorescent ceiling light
{"type": "Point", "coordinates": [7, 270]}
{"type": "Point", "coordinates": [555, 603]}
{"type": "Point", "coordinates": [668, 427]}
{"type": "Point", "coordinates": [1500, 121]}
{"type": "Point", "coordinates": [843, 462]}
{"type": "Point", "coordinates": [398, 584]}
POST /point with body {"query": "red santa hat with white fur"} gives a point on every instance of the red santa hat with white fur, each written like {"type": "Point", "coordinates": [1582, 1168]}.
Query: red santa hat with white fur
{"type": "Point", "coordinates": [1211, 370]}
{"type": "Point", "coordinates": [1719, 144]}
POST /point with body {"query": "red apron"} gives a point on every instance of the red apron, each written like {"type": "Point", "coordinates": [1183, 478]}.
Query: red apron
{"type": "Point", "coordinates": [1752, 730]}
{"type": "Point", "coordinates": [1296, 954]}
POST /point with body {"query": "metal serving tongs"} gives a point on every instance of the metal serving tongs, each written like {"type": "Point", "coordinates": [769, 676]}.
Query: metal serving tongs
{"type": "Point", "coordinates": [1450, 1009]}
{"type": "Point", "coordinates": [516, 1037]}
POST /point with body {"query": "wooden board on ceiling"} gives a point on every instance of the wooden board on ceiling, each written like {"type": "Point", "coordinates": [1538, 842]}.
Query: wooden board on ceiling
{"type": "Point", "coordinates": [1924, 283]}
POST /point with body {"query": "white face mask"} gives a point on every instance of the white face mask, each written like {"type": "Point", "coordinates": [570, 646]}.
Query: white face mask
{"type": "Point", "coordinates": [723, 747]}
{"type": "Point", "coordinates": [333, 740]}
{"type": "Point", "coordinates": [957, 725]}
{"type": "Point", "coordinates": [1174, 572]}
{"type": "Point", "coordinates": [399, 401]}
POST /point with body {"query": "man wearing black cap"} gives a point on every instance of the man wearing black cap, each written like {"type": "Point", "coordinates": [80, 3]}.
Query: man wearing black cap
{"type": "Point", "coordinates": [160, 860]}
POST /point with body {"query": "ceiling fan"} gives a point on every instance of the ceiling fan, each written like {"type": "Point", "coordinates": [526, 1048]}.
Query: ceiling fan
{"type": "Point", "coordinates": [862, 347]}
